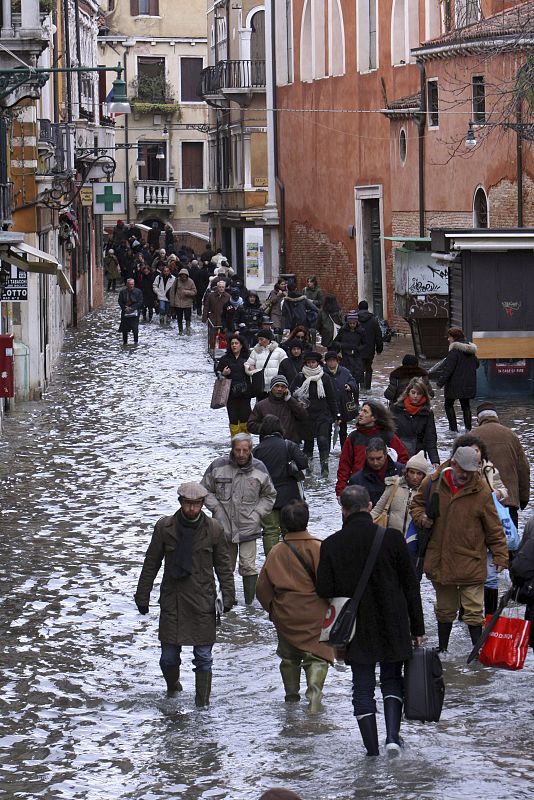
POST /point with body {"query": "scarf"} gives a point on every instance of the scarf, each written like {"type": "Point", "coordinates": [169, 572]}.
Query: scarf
{"type": "Point", "coordinates": [311, 375]}
{"type": "Point", "coordinates": [182, 564]}
{"type": "Point", "coordinates": [411, 407]}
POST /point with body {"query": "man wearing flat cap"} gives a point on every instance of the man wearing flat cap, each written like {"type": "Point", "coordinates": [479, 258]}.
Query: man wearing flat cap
{"type": "Point", "coordinates": [193, 546]}
{"type": "Point", "coordinates": [456, 504]}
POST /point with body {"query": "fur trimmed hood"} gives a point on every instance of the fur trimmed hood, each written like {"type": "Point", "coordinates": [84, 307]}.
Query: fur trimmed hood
{"type": "Point", "coordinates": [465, 347]}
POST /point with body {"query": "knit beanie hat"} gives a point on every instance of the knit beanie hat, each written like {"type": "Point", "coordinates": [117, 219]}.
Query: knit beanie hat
{"type": "Point", "coordinates": [279, 379]}
{"type": "Point", "coordinates": [352, 315]}
{"type": "Point", "coordinates": [487, 408]}
{"type": "Point", "coordinates": [295, 343]}
{"type": "Point", "coordinates": [266, 333]}
{"type": "Point", "coordinates": [418, 462]}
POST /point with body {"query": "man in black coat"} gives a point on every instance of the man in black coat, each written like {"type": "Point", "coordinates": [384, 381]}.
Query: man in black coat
{"type": "Point", "coordinates": [390, 613]}
{"type": "Point", "coordinates": [277, 453]}
{"type": "Point", "coordinates": [378, 466]}
{"type": "Point", "coordinates": [373, 341]}
{"type": "Point", "coordinates": [130, 300]}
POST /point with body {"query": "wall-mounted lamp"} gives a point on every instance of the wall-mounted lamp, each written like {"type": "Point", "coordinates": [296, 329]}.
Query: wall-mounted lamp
{"type": "Point", "coordinates": [160, 154]}
{"type": "Point", "coordinates": [470, 139]}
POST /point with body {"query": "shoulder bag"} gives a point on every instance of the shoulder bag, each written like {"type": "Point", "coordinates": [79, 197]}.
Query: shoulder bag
{"type": "Point", "coordinates": [383, 517]}
{"type": "Point", "coordinates": [258, 379]}
{"type": "Point", "coordinates": [293, 469]}
{"type": "Point", "coordinates": [221, 392]}
{"type": "Point", "coordinates": [339, 624]}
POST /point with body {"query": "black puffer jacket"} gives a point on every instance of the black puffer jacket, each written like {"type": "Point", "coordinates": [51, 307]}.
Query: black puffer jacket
{"type": "Point", "coordinates": [276, 452]}
{"type": "Point", "coordinates": [237, 367]}
{"type": "Point", "coordinates": [373, 334]}
{"type": "Point", "coordinates": [417, 432]}
{"type": "Point", "coordinates": [248, 315]}
{"type": "Point", "coordinates": [390, 611]}
{"type": "Point", "coordinates": [351, 343]}
{"type": "Point", "coordinates": [290, 367]}
{"type": "Point", "coordinates": [458, 373]}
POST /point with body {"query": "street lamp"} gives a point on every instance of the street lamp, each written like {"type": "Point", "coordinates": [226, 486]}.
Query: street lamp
{"type": "Point", "coordinates": [160, 154]}
{"type": "Point", "coordinates": [470, 139]}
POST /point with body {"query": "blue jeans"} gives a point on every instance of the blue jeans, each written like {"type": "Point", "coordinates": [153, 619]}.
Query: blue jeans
{"type": "Point", "coordinates": [364, 682]}
{"type": "Point", "coordinates": [163, 307]}
{"type": "Point", "coordinates": [202, 657]}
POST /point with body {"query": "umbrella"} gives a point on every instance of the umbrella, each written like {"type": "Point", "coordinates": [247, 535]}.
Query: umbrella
{"type": "Point", "coordinates": [141, 226]}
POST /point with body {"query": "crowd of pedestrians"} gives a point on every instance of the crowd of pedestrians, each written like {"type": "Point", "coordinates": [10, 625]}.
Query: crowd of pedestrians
{"type": "Point", "coordinates": [296, 366]}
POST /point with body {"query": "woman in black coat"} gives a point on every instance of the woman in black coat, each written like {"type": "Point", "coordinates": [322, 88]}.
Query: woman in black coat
{"type": "Point", "coordinates": [232, 365]}
{"type": "Point", "coordinates": [248, 317]}
{"type": "Point", "coordinates": [350, 342]}
{"type": "Point", "coordinates": [458, 376]}
{"type": "Point", "coordinates": [276, 453]}
{"type": "Point", "coordinates": [315, 390]}
{"type": "Point", "coordinates": [389, 615]}
{"type": "Point", "coordinates": [414, 419]}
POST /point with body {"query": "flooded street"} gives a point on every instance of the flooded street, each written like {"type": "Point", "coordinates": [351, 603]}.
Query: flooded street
{"type": "Point", "coordinates": [85, 475]}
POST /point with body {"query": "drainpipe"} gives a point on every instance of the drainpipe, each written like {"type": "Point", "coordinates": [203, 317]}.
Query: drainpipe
{"type": "Point", "coordinates": [279, 185]}
{"type": "Point", "coordinates": [78, 52]}
{"type": "Point", "coordinates": [66, 56]}
{"type": "Point", "coordinates": [519, 160]}
{"type": "Point", "coordinates": [421, 123]}
{"type": "Point", "coordinates": [126, 142]}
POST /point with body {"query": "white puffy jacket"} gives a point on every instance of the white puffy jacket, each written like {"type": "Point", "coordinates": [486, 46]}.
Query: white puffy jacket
{"type": "Point", "coordinates": [258, 357]}
{"type": "Point", "coordinates": [161, 290]}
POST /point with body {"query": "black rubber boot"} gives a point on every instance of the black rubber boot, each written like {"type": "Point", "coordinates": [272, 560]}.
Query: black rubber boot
{"type": "Point", "coordinates": [475, 632]}
{"type": "Point", "coordinates": [392, 716]}
{"type": "Point", "coordinates": [491, 599]}
{"type": "Point", "coordinates": [367, 726]}
{"type": "Point", "coordinates": [324, 466]}
{"type": "Point", "coordinates": [172, 679]}
{"type": "Point", "coordinates": [444, 633]}
{"type": "Point", "coordinates": [202, 688]}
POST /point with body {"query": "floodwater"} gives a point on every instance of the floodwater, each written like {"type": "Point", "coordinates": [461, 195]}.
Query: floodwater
{"type": "Point", "coordinates": [86, 473]}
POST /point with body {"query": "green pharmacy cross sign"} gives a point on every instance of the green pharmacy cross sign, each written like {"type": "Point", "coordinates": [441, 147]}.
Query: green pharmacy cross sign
{"type": "Point", "coordinates": [108, 198]}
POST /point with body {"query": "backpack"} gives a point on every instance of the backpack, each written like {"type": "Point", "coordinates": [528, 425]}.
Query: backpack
{"type": "Point", "coordinates": [311, 316]}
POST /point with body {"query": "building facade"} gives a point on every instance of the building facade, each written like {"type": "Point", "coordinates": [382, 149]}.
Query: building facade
{"type": "Point", "coordinates": [374, 102]}
{"type": "Point", "coordinates": [162, 150]}
{"type": "Point", "coordinates": [243, 215]}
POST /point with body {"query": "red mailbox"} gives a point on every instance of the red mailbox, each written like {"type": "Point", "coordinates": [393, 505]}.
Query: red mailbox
{"type": "Point", "coordinates": [7, 383]}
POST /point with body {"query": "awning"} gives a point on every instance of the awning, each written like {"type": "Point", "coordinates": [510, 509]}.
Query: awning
{"type": "Point", "coordinates": [37, 261]}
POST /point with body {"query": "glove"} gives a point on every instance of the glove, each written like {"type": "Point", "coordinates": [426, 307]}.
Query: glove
{"type": "Point", "coordinates": [226, 609]}
{"type": "Point", "coordinates": [142, 609]}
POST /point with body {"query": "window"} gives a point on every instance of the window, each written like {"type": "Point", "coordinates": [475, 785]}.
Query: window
{"type": "Point", "coordinates": [367, 33]}
{"type": "Point", "coordinates": [480, 209]}
{"type": "Point", "coordinates": [402, 146]}
{"type": "Point", "coordinates": [190, 69]}
{"type": "Point", "coordinates": [336, 39]}
{"type": "Point", "coordinates": [151, 86]}
{"type": "Point", "coordinates": [432, 103]}
{"type": "Point", "coordinates": [398, 33]}
{"type": "Point", "coordinates": [479, 100]}
{"type": "Point", "coordinates": [433, 11]}
{"type": "Point", "coordinates": [312, 41]}
{"type": "Point", "coordinates": [154, 169]}
{"type": "Point", "coordinates": [306, 69]}
{"type": "Point", "coordinates": [144, 8]}
{"type": "Point", "coordinates": [284, 42]}
{"type": "Point", "coordinates": [192, 165]}
{"type": "Point", "coordinates": [257, 37]}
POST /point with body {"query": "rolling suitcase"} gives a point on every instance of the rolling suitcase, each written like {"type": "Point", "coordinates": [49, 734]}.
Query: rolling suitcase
{"type": "Point", "coordinates": [424, 688]}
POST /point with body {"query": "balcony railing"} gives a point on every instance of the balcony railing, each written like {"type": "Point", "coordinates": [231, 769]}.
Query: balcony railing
{"type": "Point", "coordinates": [155, 194]}
{"type": "Point", "coordinates": [6, 202]}
{"type": "Point", "coordinates": [232, 75]}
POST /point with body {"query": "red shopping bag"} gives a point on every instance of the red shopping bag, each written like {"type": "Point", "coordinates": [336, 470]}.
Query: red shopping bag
{"type": "Point", "coordinates": [507, 644]}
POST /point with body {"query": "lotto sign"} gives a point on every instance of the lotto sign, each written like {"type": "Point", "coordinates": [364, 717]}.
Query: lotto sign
{"type": "Point", "coordinates": [15, 288]}
{"type": "Point", "coordinates": [108, 198]}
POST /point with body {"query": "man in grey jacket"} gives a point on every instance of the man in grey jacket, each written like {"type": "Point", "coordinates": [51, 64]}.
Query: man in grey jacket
{"type": "Point", "coordinates": [240, 493]}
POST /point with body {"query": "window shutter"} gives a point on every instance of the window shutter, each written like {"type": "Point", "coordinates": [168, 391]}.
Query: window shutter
{"type": "Point", "coordinates": [192, 165]}
{"type": "Point", "coordinates": [154, 8]}
{"type": "Point", "coordinates": [134, 8]}
{"type": "Point", "coordinates": [190, 69]}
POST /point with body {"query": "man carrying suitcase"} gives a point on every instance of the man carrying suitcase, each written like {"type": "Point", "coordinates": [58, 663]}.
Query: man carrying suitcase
{"type": "Point", "coordinates": [390, 614]}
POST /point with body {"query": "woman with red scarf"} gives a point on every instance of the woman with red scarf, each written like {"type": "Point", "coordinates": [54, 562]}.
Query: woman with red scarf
{"type": "Point", "coordinates": [414, 420]}
{"type": "Point", "coordinates": [374, 420]}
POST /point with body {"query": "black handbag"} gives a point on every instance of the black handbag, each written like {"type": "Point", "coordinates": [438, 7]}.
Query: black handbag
{"type": "Point", "coordinates": [258, 379]}
{"type": "Point", "coordinates": [293, 469]}
{"type": "Point", "coordinates": [239, 388]}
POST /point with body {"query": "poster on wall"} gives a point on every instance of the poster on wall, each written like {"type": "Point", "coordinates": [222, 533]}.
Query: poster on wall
{"type": "Point", "coordinates": [254, 252]}
{"type": "Point", "coordinates": [15, 288]}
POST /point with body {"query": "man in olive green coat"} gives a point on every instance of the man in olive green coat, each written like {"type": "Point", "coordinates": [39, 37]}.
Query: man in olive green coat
{"type": "Point", "coordinates": [193, 546]}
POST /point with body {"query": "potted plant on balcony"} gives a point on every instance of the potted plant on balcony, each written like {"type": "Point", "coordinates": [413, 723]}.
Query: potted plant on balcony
{"type": "Point", "coordinates": [153, 94]}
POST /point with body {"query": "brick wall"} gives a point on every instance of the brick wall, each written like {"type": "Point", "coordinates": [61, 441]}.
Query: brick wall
{"type": "Point", "coordinates": [311, 252]}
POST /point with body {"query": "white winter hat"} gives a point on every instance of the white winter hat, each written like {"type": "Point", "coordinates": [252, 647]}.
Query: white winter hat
{"type": "Point", "coordinates": [418, 462]}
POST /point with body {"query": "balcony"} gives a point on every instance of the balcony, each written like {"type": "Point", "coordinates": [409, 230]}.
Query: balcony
{"type": "Point", "coordinates": [24, 37]}
{"type": "Point", "coordinates": [155, 194]}
{"type": "Point", "coordinates": [232, 80]}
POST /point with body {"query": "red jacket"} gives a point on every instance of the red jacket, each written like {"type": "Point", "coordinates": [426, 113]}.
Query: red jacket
{"type": "Point", "coordinates": [352, 457]}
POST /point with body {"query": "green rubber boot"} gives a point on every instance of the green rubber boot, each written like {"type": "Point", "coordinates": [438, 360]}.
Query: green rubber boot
{"type": "Point", "coordinates": [316, 670]}
{"type": "Point", "coordinates": [269, 541]}
{"type": "Point", "coordinates": [202, 688]}
{"type": "Point", "coordinates": [290, 673]}
{"type": "Point", "coordinates": [249, 588]}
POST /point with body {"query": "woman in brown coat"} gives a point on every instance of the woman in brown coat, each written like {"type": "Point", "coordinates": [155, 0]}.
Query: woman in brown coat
{"type": "Point", "coordinates": [181, 297]}
{"type": "Point", "coordinates": [286, 590]}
